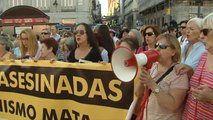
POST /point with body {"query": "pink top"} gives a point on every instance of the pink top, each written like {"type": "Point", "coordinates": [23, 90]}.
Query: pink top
{"type": "Point", "coordinates": [171, 81]}
{"type": "Point", "coordinates": [194, 109]}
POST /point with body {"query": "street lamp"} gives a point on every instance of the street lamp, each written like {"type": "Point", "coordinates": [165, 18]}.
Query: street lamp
{"type": "Point", "coordinates": [55, 3]}
{"type": "Point", "coordinates": [198, 9]}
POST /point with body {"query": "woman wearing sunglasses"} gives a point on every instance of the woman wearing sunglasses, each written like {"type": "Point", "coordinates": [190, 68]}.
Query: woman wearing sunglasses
{"type": "Point", "coordinates": [167, 95]}
{"type": "Point", "coordinates": [87, 48]}
{"type": "Point", "coordinates": [199, 105]}
{"type": "Point", "coordinates": [45, 33]}
{"type": "Point", "coordinates": [150, 33]}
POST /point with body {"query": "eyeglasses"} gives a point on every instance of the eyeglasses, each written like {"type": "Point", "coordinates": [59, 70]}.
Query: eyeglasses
{"type": "Point", "coordinates": [25, 39]}
{"type": "Point", "coordinates": [81, 32]}
{"type": "Point", "coordinates": [161, 45]}
{"type": "Point", "coordinates": [149, 33]}
{"type": "Point", "coordinates": [205, 31]}
{"type": "Point", "coordinates": [183, 27]}
{"type": "Point", "coordinates": [44, 33]}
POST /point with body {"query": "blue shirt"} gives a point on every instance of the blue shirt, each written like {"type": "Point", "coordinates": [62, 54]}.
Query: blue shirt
{"type": "Point", "coordinates": [194, 56]}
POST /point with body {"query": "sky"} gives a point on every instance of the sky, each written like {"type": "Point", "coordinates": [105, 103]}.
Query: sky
{"type": "Point", "coordinates": [104, 7]}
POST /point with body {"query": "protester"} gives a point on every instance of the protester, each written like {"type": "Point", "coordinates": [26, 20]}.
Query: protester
{"type": "Point", "coordinates": [16, 49]}
{"type": "Point", "coordinates": [130, 44]}
{"type": "Point", "coordinates": [199, 105]}
{"type": "Point", "coordinates": [183, 38]}
{"type": "Point", "coordinates": [172, 30]}
{"type": "Point", "coordinates": [194, 48]}
{"type": "Point", "coordinates": [66, 34]}
{"type": "Point", "coordinates": [2, 32]}
{"type": "Point", "coordinates": [166, 100]}
{"type": "Point", "coordinates": [48, 49]}
{"type": "Point", "coordinates": [67, 46]}
{"type": "Point", "coordinates": [108, 43]}
{"type": "Point", "coordinates": [54, 34]}
{"type": "Point", "coordinates": [103, 51]}
{"type": "Point", "coordinates": [136, 35]}
{"type": "Point", "coordinates": [87, 48]}
{"type": "Point", "coordinates": [150, 33]}
{"type": "Point", "coordinates": [123, 34]}
{"type": "Point", "coordinates": [29, 46]}
{"type": "Point", "coordinates": [4, 54]}
{"type": "Point", "coordinates": [115, 39]}
{"type": "Point", "coordinates": [45, 33]}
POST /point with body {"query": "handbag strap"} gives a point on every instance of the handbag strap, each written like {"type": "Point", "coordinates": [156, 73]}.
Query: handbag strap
{"type": "Point", "coordinates": [165, 74]}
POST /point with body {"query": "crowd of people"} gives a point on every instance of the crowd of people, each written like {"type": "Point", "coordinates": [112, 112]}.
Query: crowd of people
{"type": "Point", "coordinates": [178, 86]}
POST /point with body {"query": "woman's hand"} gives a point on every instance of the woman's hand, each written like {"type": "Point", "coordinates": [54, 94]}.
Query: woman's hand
{"type": "Point", "coordinates": [184, 69]}
{"type": "Point", "coordinates": [203, 93]}
{"type": "Point", "coordinates": [35, 59]}
{"type": "Point", "coordinates": [2, 59]}
{"type": "Point", "coordinates": [102, 62]}
{"type": "Point", "coordinates": [53, 60]}
{"type": "Point", "coordinates": [146, 78]}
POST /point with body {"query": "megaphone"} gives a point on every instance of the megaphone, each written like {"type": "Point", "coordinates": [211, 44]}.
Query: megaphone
{"type": "Point", "coordinates": [125, 63]}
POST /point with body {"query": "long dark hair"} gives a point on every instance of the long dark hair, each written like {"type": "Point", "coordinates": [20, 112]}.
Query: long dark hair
{"type": "Point", "coordinates": [108, 43]}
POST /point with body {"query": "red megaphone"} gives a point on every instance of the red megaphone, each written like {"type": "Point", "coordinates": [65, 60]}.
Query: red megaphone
{"type": "Point", "coordinates": [125, 63]}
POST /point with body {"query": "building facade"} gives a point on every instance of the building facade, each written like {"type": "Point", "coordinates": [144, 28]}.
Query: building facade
{"type": "Point", "coordinates": [129, 13]}
{"type": "Point", "coordinates": [113, 14]}
{"type": "Point", "coordinates": [159, 12]}
{"type": "Point", "coordinates": [61, 11]}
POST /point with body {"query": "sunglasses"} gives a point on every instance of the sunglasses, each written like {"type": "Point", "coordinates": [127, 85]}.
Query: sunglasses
{"type": "Point", "coordinates": [44, 33]}
{"type": "Point", "coordinates": [161, 45]}
{"type": "Point", "coordinates": [149, 33]}
{"type": "Point", "coordinates": [205, 31]}
{"type": "Point", "coordinates": [81, 32]}
{"type": "Point", "coordinates": [183, 27]}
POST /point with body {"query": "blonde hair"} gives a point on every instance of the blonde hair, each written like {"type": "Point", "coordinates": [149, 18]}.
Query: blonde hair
{"type": "Point", "coordinates": [174, 44]}
{"type": "Point", "coordinates": [32, 42]}
{"type": "Point", "coordinates": [197, 21]}
{"type": "Point", "coordinates": [208, 20]}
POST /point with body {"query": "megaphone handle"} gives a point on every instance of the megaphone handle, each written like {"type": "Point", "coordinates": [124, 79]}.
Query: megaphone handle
{"type": "Point", "coordinates": [144, 103]}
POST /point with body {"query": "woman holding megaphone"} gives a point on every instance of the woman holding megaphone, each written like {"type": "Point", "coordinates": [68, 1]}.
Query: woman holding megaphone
{"type": "Point", "coordinates": [162, 90]}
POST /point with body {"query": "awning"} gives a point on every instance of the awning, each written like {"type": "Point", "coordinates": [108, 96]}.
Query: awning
{"type": "Point", "coordinates": [23, 15]}
{"type": "Point", "coordinates": [25, 20]}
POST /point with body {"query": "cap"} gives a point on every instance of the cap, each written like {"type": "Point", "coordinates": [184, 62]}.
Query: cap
{"type": "Point", "coordinates": [3, 39]}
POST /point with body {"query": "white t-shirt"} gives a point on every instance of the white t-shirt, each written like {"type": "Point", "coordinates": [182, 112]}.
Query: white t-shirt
{"type": "Point", "coordinates": [104, 55]}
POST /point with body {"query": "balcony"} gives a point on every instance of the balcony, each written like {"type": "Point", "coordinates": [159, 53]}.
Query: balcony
{"type": "Point", "coordinates": [68, 8]}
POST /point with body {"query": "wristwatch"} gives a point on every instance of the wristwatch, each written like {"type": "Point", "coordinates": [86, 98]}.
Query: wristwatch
{"type": "Point", "coordinates": [157, 90]}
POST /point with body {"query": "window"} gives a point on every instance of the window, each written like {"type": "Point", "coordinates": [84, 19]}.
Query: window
{"type": "Point", "coordinates": [196, 3]}
{"type": "Point", "coordinates": [15, 2]}
{"type": "Point", "coordinates": [80, 2]}
{"type": "Point", "coordinates": [68, 3]}
{"type": "Point", "coordinates": [39, 3]}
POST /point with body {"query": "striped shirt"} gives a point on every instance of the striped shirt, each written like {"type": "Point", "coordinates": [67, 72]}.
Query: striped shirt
{"type": "Point", "coordinates": [194, 109]}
